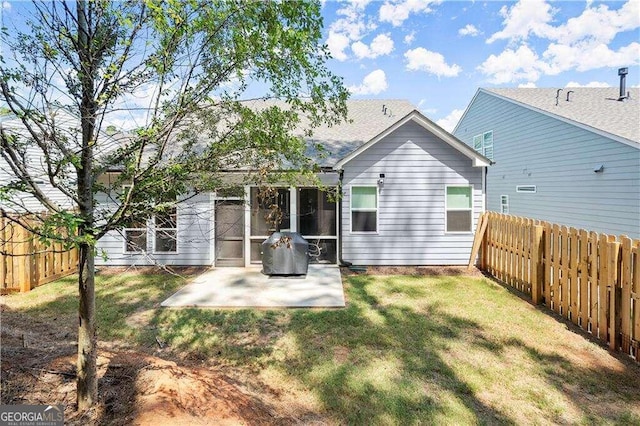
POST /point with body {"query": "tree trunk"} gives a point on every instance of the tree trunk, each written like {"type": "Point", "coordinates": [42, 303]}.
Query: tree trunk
{"type": "Point", "coordinates": [87, 385]}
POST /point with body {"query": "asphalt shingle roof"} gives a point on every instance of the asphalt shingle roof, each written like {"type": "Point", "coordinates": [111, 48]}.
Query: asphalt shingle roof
{"type": "Point", "coordinates": [597, 108]}
{"type": "Point", "coordinates": [367, 118]}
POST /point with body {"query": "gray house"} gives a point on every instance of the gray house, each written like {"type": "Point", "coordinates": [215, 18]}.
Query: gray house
{"type": "Point", "coordinates": [411, 194]}
{"type": "Point", "coordinates": [569, 156]}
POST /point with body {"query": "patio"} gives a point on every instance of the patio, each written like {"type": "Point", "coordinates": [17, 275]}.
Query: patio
{"type": "Point", "coordinates": [248, 287]}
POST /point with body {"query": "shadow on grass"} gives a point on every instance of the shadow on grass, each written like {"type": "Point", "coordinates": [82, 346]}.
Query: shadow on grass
{"type": "Point", "coordinates": [392, 370]}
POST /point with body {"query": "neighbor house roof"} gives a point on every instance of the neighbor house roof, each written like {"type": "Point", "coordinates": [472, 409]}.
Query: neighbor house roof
{"type": "Point", "coordinates": [596, 109]}
{"type": "Point", "coordinates": [418, 118]}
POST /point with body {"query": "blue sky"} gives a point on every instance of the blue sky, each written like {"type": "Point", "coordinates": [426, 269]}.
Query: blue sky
{"type": "Point", "coordinates": [437, 53]}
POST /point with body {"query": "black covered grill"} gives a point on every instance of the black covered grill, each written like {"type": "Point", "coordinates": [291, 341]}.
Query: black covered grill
{"type": "Point", "coordinates": [285, 253]}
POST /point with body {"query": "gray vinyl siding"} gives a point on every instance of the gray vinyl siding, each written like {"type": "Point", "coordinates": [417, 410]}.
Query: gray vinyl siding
{"type": "Point", "coordinates": [25, 202]}
{"type": "Point", "coordinates": [194, 238]}
{"type": "Point", "coordinates": [531, 148]}
{"type": "Point", "coordinates": [411, 206]}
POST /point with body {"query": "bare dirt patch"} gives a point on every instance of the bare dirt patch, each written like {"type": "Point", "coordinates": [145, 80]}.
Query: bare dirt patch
{"type": "Point", "coordinates": [413, 270]}
{"type": "Point", "coordinates": [38, 367]}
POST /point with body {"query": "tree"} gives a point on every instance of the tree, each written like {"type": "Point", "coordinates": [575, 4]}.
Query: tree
{"type": "Point", "coordinates": [77, 67]}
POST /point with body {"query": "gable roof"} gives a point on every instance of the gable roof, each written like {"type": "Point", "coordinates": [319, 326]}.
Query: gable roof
{"type": "Point", "coordinates": [593, 108]}
{"type": "Point", "coordinates": [366, 118]}
{"type": "Point", "coordinates": [418, 118]}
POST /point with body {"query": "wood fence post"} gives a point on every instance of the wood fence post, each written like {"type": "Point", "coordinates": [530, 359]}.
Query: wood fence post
{"type": "Point", "coordinates": [612, 284]}
{"type": "Point", "coordinates": [26, 248]}
{"type": "Point", "coordinates": [536, 264]}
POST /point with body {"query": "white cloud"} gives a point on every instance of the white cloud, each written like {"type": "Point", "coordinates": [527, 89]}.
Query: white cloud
{"type": "Point", "coordinates": [468, 30]}
{"type": "Point", "coordinates": [373, 84]}
{"type": "Point", "coordinates": [6, 6]}
{"type": "Point", "coordinates": [397, 12]}
{"type": "Point", "coordinates": [381, 45]}
{"type": "Point", "coordinates": [523, 18]}
{"type": "Point", "coordinates": [588, 55]}
{"type": "Point", "coordinates": [513, 65]}
{"type": "Point", "coordinates": [409, 38]}
{"type": "Point", "coordinates": [590, 84]}
{"type": "Point", "coordinates": [581, 43]}
{"type": "Point", "coordinates": [421, 59]}
{"type": "Point", "coordinates": [449, 122]}
{"type": "Point", "coordinates": [337, 43]}
{"type": "Point", "coordinates": [350, 27]}
{"type": "Point", "coordinates": [529, 85]}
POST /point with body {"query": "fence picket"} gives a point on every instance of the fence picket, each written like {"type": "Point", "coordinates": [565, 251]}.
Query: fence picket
{"type": "Point", "coordinates": [592, 279]}
{"type": "Point", "coordinates": [25, 262]}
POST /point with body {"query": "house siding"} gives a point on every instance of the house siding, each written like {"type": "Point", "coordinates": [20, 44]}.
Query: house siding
{"type": "Point", "coordinates": [531, 148]}
{"type": "Point", "coordinates": [195, 238]}
{"type": "Point", "coordinates": [411, 208]}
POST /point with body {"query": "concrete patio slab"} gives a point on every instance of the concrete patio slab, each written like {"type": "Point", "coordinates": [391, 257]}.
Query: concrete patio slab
{"type": "Point", "coordinates": [248, 287]}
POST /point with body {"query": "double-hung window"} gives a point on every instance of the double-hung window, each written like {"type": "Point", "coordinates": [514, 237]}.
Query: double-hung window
{"type": "Point", "coordinates": [135, 236]}
{"type": "Point", "coordinates": [459, 208]}
{"type": "Point", "coordinates": [483, 143]}
{"type": "Point", "coordinates": [364, 209]}
{"type": "Point", "coordinates": [166, 230]}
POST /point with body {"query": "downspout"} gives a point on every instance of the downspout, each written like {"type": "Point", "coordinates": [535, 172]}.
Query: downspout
{"type": "Point", "coordinates": [341, 262]}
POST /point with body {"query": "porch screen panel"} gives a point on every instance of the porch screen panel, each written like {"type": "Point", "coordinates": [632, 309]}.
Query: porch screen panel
{"type": "Point", "coordinates": [316, 213]}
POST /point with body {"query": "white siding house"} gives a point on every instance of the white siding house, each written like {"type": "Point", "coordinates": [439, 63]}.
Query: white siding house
{"type": "Point", "coordinates": [568, 156]}
{"type": "Point", "coordinates": [411, 194]}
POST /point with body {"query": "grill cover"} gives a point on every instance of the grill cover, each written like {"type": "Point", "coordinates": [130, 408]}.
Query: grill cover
{"type": "Point", "coordinates": [285, 253]}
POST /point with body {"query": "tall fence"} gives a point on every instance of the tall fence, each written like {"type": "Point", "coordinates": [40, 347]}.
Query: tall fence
{"type": "Point", "coordinates": [590, 279]}
{"type": "Point", "coordinates": [26, 262]}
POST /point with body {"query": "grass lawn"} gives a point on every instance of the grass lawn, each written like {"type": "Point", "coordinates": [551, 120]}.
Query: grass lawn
{"type": "Point", "coordinates": [405, 350]}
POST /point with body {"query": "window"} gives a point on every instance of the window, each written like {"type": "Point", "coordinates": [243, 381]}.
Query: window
{"type": "Point", "coordinates": [135, 236]}
{"type": "Point", "coordinates": [483, 143]}
{"type": "Point", "coordinates": [527, 188]}
{"type": "Point", "coordinates": [459, 209]}
{"type": "Point", "coordinates": [504, 204]}
{"type": "Point", "coordinates": [166, 230]}
{"type": "Point", "coordinates": [364, 209]}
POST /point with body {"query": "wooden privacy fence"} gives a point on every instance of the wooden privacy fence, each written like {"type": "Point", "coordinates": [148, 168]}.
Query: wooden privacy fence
{"type": "Point", "coordinates": [591, 279]}
{"type": "Point", "coordinates": [26, 262]}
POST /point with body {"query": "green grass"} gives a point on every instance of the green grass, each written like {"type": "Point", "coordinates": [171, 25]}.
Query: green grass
{"type": "Point", "coordinates": [405, 350]}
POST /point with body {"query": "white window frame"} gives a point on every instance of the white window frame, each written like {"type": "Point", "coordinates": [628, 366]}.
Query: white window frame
{"type": "Point", "coordinates": [124, 240]}
{"type": "Point", "coordinates": [521, 189]}
{"type": "Point", "coordinates": [155, 236]}
{"type": "Point", "coordinates": [504, 206]}
{"type": "Point", "coordinates": [446, 209]}
{"type": "Point", "coordinates": [482, 147]}
{"type": "Point", "coordinates": [376, 210]}
{"type": "Point", "coordinates": [125, 230]}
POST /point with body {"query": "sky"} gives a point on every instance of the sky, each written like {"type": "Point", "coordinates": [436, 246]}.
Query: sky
{"type": "Point", "coordinates": [437, 54]}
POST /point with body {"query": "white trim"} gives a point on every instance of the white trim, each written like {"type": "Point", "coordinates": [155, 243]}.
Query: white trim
{"type": "Point", "coordinates": [124, 240]}
{"type": "Point", "coordinates": [471, 230]}
{"type": "Point", "coordinates": [563, 119]}
{"type": "Point", "coordinates": [376, 210]}
{"type": "Point", "coordinates": [247, 225]}
{"type": "Point", "coordinates": [484, 191]}
{"type": "Point", "coordinates": [478, 160]}
{"type": "Point", "coordinates": [154, 231]}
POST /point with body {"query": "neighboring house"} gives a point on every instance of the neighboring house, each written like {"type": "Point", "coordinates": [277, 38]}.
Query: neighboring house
{"type": "Point", "coordinates": [21, 202]}
{"type": "Point", "coordinates": [569, 156]}
{"type": "Point", "coordinates": [411, 195]}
